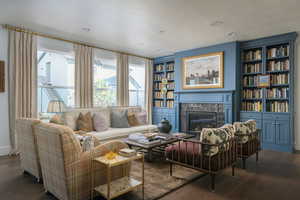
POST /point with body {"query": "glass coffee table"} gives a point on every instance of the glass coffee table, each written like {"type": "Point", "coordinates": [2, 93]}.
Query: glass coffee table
{"type": "Point", "coordinates": [157, 148]}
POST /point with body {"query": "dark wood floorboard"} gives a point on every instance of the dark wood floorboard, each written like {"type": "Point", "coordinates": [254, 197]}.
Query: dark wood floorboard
{"type": "Point", "coordinates": [276, 176]}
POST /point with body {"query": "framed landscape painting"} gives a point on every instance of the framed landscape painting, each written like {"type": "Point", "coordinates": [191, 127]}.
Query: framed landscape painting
{"type": "Point", "coordinates": [203, 71]}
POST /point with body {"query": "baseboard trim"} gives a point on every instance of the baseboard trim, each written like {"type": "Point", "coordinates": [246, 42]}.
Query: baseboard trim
{"type": "Point", "coordinates": [4, 150]}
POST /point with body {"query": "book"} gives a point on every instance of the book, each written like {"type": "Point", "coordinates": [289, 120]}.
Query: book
{"type": "Point", "coordinates": [127, 152]}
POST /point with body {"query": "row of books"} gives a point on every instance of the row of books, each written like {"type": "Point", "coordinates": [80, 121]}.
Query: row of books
{"type": "Point", "coordinates": [278, 51]}
{"type": "Point", "coordinates": [252, 106]}
{"type": "Point", "coordinates": [252, 94]}
{"type": "Point", "coordinates": [158, 95]}
{"type": "Point", "coordinates": [170, 86]}
{"type": "Point", "coordinates": [250, 81]}
{"type": "Point", "coordinates": [159, 86]}
{"type": "Point", "coordinates": [251, 68]}
{"type": "Point", "coordinates": [170, 67]}
{"type": "Point", "coordinates": [252, 55]}
{"type": "Point", "coordinates": [279, 79]}
{"type": "Point", "coordinates": [158, 77]}
{"type": "Point", "coordinates": [278, 93]}
{"type": "Point", "coordinates": [170, 76]}
{"type": "Point", "coordinates": [158, 103]}
{"type": "Point", "coordinates": [170, 103]}
{"type": "Point", "coordinates": [170, 95]}
{"type": "Point", "coordinates": [278, 106]}
{"type": "Point", "coordinates": [159, 67]}
{"type": "Point", "coordinates": [278, 65]}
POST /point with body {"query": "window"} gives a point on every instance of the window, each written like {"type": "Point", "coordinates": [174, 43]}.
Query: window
{"type": "Point", "coordinates": [105, 78]}
{"type": "Point", "coordinates": [55, 75]}
{"type": "Point", "coordinates": [137, 81]}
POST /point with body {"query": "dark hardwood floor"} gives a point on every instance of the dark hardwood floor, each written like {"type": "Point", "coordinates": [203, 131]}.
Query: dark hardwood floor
{"type": "Point", "coordinates": [276, 176]}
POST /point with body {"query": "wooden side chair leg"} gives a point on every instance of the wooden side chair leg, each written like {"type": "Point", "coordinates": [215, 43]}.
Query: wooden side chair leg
{"type": "Point", "coordinates": [257, 156]}
{"type": "Point", "coordinates": [233, 167]}
{"type": "Point", "coordinates": [213, 177]}
{"type": "Point", "coordinates": [244, 163]}
{"type": "Point", "coordinates": [171, 169]}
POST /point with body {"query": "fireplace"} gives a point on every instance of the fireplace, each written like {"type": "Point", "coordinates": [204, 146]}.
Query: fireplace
{"type": "Point", "coordinates": [196, 116]}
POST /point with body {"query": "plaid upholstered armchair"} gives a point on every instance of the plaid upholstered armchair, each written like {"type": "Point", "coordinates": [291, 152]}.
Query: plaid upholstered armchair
{"type": "Point", "coordinates": [28, 147]}
{"type": "Point", "coordinates": [66, 168]}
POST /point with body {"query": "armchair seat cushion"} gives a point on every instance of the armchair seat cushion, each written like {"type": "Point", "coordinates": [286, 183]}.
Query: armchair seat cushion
{"type": "Point", "coordinates": [190, 154]}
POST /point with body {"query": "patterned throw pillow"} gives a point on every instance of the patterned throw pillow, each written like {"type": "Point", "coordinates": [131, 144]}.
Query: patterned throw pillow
{"type": "Point", "coordinates": [142, 118]}
{"type": "Point", "coordinates": [132, 120]}
{"type": "Point", "coordinates": [119, 119]}
{"type": "Point", "coordinates": [86, 142]}
{"type": "Point", "coordinates": [85, 122]}
{"type": "Point", "coordinates": [229, 129]}
{"type": "Point", "coordinates": [101, 123]}
{"type": "Point", "coordinates": [242, 128]}
{"type": "Point", "coordinates": [214, 136]}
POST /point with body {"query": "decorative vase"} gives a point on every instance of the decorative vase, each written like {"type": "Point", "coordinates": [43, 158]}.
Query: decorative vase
{"type": "Point", "coordinates": [164, 126]}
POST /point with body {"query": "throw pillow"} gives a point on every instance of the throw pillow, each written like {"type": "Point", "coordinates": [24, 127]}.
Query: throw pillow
{"type": "Point", "coordinates": [85, 122]}
{"type": "Point", "coordinates": [56, 119]}
{"type": "Point", "coordinates": [119, 119]}
{"type": "Point", "coordinates": [142, 118]}
{"type": "Point", "coordinates": [101, 123]}
{"type": "Point", "coordinates": [132, 120]}
{"type": "Point", "coordinates": [86, 142]}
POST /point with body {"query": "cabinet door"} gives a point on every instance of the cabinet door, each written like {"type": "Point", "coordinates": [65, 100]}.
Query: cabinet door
{"type": "Point", "coordinates": [268, 134]}
{"type": "Point", "coordinates": [283, 132]}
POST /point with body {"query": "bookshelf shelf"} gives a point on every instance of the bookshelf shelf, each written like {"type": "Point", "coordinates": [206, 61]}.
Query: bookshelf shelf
{"type": "Point", "coordinates": [278, 58]}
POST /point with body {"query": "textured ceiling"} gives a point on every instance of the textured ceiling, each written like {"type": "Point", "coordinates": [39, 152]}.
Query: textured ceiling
{"type": "Point", "coordinates": [154, 27]}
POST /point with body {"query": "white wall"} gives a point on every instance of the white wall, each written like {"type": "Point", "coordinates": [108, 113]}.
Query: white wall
{"type": "Point", "coordinates": [4, 123]}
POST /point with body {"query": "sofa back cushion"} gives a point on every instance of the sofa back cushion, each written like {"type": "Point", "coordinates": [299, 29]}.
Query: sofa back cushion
{"type": "Point", "coordinates": [70, 117]}
{"type": "Point", "coordinates": [132, 120]}
{"type": "Point", "coordinates": [119, 119]}
{"type": "Point", "coordinates": [242, 128]}
{"type": "Point", "coordinates": [214, 136]}
{"type": "Point", "coordinates": [229, 129]}
{"type": "Point", "coordinates": [101, 121]}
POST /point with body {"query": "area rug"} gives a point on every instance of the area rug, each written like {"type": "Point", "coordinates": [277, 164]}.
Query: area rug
{"type": "Point", "coordinates": [158, 182]}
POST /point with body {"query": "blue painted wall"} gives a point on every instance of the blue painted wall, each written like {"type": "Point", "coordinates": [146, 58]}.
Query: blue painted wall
{"type": "Point", "coordinates": [230, 65]}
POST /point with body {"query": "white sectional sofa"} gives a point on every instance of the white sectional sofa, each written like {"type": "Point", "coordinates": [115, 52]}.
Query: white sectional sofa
{"type": "Point", "coordinates": [70, 116]}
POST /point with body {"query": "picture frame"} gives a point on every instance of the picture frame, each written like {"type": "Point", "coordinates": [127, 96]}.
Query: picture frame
{"type": "Point", "coordinates": [203, 71]}
{"type": "Point", "coordinates": [264, 80]}
{"type": "Point", "coordinates": [2, 76]}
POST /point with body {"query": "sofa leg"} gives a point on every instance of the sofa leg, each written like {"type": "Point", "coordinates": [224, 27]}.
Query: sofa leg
{"type": "Point", "coordinates": [212, 176]}
{"type": "Point", "coordinates": [244, 163]}
{"type": "Point", "coordinates": [233, 167]}
{"type": "Point", "coordinates": [257, 156]}
{"type": "Point", "coordinates": [171, 169]}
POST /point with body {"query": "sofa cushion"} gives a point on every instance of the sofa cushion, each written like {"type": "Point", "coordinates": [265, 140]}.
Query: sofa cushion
{"type": "Point", "coordinates": [229, 129]}
{"type": "Point", "coordinates": [116, 133]}
{"type": "Point", "coordinates": [141, 117]}
{"type": "Point", "coordinates": [85, 122]}
{"type": "Point", "coordinates": [132, 120]}
{"type": "Point", "coordinates": [119, 119]}
{"type": "Point", "coordinates": [214, 136]}
{"type": "Point", "coordinates": [242, 128]}
{"type": "Point", "coordinates": [101, 122]}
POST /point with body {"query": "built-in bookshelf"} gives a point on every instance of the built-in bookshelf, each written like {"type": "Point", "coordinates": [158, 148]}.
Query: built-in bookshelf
{"type": "Point", "coordinates": [273, 61]}
{"type": "Point", "coordinates": [163, 85]}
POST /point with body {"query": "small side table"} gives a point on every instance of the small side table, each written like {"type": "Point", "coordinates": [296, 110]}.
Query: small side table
{"type": "Point", "coordinates": [119, 186]}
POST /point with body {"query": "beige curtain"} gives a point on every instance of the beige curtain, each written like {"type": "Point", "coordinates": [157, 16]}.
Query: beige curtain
{"type": "Point", "coordinates": [149, 89]}
{"type": "Point", "coordinates": [22, 80]}
{"type": "Point", "coordinates": [122, 80]}
{"type": "Point", "coordinates": [83, 76]}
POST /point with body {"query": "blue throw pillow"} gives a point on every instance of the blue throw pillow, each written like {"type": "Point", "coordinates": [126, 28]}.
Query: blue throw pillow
{"type": "Point", "coordinates": [119, 119]}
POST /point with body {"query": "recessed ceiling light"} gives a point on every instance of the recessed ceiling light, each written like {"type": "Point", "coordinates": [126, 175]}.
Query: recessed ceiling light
{"type": "Point", "coordinates": [86, 29]}
{"type": "Point", "coordinates": [216, 23]}
{"type": "Point", "coordinates": [162, 31]}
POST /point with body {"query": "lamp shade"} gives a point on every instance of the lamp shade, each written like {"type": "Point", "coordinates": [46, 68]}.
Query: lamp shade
{"type": "Point", "coordinates": [56, 106]}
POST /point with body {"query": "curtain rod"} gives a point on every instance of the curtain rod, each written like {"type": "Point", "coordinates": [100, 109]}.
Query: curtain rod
{"type": "Point", "coordinates": [18, 29]}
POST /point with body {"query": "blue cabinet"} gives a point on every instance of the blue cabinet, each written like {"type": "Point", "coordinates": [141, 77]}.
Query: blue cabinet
{"type": "Point", "coordinates": [283, 136]}
{"type": "Point", "coordinates": [269, 132]}
{"type": "Point", "coordinates": [161, 113]}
